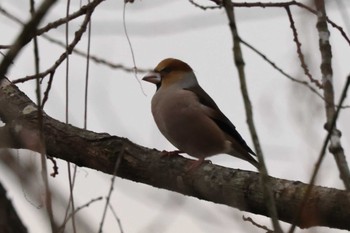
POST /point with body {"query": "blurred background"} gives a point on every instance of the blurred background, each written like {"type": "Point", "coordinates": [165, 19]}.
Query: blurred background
{"type": "Point", "coordinates": [288, 116]}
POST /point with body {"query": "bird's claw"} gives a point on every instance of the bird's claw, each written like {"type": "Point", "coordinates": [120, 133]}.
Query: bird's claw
{"type": "Point", "coordinates": [195, 164]}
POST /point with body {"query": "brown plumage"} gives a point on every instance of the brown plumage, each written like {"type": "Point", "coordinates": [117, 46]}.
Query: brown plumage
{"type": "Point", "coordinates": [187, 116]}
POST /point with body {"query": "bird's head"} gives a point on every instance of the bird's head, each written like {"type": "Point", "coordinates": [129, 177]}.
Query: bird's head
{"type": "Point", "coordinates": [171, 71]}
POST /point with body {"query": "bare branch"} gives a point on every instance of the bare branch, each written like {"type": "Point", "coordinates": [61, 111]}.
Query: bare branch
{"type": "Point", "coordinates": [291, 3]}
{"type": "Point", "coordinates": [327, 78]}
{"type": "Point", "coordinates": [304, 83]}
{"type": "Point", "coordinates": [82, 11]}
{"type": "Point", "coordinates": [111, 188]}
{"type": "Point", "coordinates": [248, 219]}
{"type": "Point", "coordinates": [9, 219]}
{"type": "Point", "coordinates": [116, 218]}
{"type": "Point", "coordinates": [78, 35]}
{"type": "Point", "coordinates": [299, 52]}
{"type": "Point", "coordinates": [5, 46]}
{"type": "Point", "coordinates": [235, 188]}
{"type": "Point", "coordinates": [76, 211]}
{"type": "Point", "coordinates": [238, 58]}
{"type": "Point", "coordinates": [302, 209]}
{"type": "Point", "coordinates": [204, 7]}
{"type": "Point", "coordinates": [94, 58]}
{"type": "Point", "coordinates": [25, 36]}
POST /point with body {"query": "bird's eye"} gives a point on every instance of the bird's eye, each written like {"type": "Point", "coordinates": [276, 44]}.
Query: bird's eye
{"type": "Point", "coordinates": [165, 70]}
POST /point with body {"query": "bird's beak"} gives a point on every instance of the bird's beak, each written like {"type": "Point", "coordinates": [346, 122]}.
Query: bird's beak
{"type": "Point", "coordinates": [152, 77]}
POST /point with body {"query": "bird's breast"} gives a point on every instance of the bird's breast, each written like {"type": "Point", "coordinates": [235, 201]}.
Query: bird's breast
{"type": "Point", "coordinates": [173, 108]}
{"type": "Point", "coordinates": [181, 119]}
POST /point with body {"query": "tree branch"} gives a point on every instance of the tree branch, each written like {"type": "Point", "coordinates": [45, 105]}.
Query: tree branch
{"type": "Point", "coordinates": [231, 187]}
{"type": "Point", "coordinates": [9, 219]}
{"type": "Point", "coordinates": [327, 80]}
{"type": "Point", "coordinates": [239, 62]}
{"type": "Point", "coordinates": [25, 36]}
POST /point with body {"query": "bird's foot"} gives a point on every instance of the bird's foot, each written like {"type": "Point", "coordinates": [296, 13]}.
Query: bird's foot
{"type": "Point", "coordinates": [165, 153]}
{"type": "Point", "coordinates": [193, 165]}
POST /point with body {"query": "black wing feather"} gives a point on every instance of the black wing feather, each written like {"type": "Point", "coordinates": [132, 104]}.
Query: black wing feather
{"type": "Point", "coordinates": [220, 119]}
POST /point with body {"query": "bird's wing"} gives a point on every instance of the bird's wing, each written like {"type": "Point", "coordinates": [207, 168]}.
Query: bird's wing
{"type": "Point", "coordinates": [213, 111]}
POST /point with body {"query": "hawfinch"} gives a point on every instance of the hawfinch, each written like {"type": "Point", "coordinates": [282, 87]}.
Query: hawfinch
{"type": "Point", "coordinates": [187, 116]}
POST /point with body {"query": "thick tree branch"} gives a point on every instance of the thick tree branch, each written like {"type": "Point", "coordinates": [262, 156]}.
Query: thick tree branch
{"type": "Point", "coordinates": [236, 188]}
{"type": "Point", "coordinates": [9, 219]}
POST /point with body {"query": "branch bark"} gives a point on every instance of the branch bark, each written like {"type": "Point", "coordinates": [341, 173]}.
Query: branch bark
{"type": "Point", "coordinates": [231, 187]}
{"type": "Point", "coordinates": [327, 79]}
{"type": "Point", "coordinates": [9, 219]}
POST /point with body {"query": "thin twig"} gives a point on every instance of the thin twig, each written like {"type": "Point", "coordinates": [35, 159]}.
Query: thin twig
{"type": "Point", "coordinates": [5, 46]}
{"type": "Point", "coordinates": [117, 163]}
{"type": "Point", "coordinates": [299, 52]}
{"type": "Point", "coordinates": [279, 69]}
{"type": "Point", "coordinates": [291, 3]}
{"type": "Point", "coordinates": [249, 219]}
{"type": "Point", "coordinates": [47, 91]}
{"type": "Point", "coordinates": [205, 7]}
{"type": "Point", "coordinates": [273, 64]}
{"type": "Point", "coordinates": [82, 11]}
{"type": "Point", "coordinates": [61, 229]}
{"type": "Point", "coordinates": [87, 76]}
{"type": "Point", "coordinates": [344, 14]}
{"type": "Point", "coordinates": [116, 218]}
{"type": "Point", "coordinates": [264, 178]}
{"type": "Point", "coordinates": [131, 49]}
{"type": "Point", "coordinates": [94, 58]}
{"type": "Point", "coordinates": [44, 173]}
{"type": "Point", "coordinates": [78, 35]}
{"type": "Point", "coordinates": [99, 60]}
{"type": "Point", "coordinates": [71, 182]}
{"type": "Point", "coordinates": [25, 36]}
{"type": "Point", "coordinates": [71, 177]}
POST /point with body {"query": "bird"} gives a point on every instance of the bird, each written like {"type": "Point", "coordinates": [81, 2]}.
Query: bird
{"type": "Point", "coordinates": [189, 118]}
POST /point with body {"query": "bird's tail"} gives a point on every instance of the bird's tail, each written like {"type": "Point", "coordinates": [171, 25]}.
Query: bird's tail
{"type": "Point", "coordinates": [245, 156]}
